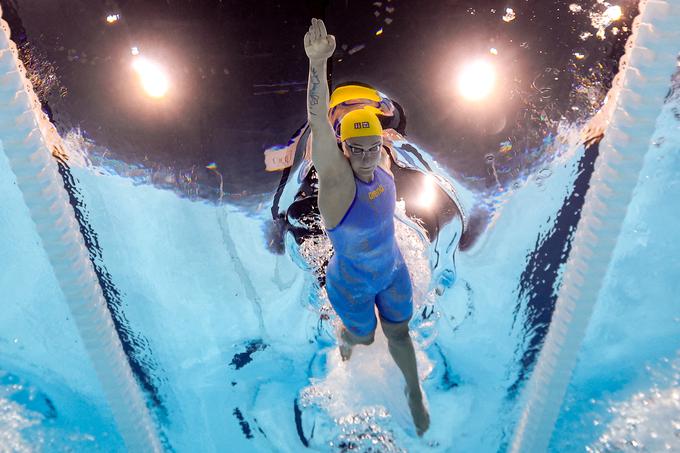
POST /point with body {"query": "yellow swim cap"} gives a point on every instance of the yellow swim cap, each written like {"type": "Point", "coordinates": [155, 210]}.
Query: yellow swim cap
{"type": "Point", "coordinates": [351, 92]}
{"type": "Point", "coordinates": [359, 123]}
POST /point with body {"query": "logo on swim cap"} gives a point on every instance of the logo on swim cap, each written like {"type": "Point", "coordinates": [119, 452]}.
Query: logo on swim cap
{"type": "Point", "coordinates": [359, 123]}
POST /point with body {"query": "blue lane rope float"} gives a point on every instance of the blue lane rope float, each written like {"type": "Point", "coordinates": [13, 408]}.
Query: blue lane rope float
{"type": "Point", "coordinates": [635, 101]}
{"type": "Point", "coordinates": [28, 139]}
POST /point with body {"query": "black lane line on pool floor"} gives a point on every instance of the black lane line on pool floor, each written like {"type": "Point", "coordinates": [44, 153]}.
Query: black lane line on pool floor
{"type": "Point", "coordinates": [540, 278]}
{"type": "Point", "coordinates": [135, 346]}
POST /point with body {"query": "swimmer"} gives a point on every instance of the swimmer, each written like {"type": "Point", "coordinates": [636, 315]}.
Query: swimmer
{"type": "Point", "coordinates": [357, 198]}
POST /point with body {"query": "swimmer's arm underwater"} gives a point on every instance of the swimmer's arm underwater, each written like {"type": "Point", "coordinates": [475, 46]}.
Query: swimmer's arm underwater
{"type": "Point", "coordinates": [330, 163]}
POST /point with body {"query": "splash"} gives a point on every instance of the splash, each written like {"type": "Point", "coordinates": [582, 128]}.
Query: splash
{"type": "Point", "coordinates": [647, 422]}
{"type": "Point", "coordinates": [29, 421]}
{"type": "Point", "coordinates": [601, 19]}
{"type": "Point", "coordinates": [360, 404]}
{"type": "Point", "coordinates": [13, 421]}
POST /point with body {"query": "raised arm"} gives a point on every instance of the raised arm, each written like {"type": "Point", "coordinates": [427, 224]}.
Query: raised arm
{"type": "Point", "coordinates": [327, 158]}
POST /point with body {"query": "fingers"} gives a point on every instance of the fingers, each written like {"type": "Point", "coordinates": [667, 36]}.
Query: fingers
{"type": "Point", "coordinates": [322, 29]}
{"type": "Point", "coordinates": [318, 29]}
{"type": "Point", "coordinates": [313, 29]}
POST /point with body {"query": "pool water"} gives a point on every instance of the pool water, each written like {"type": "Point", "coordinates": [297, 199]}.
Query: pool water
{"type": "Point", "coordinates": [234, 345]}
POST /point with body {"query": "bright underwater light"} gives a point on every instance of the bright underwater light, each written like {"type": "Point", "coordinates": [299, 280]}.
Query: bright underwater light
{"type": "Point", "coordinates": [428, 193]}
{"type": "Point", "coordinates": [476, 80]}
{"type": "Point", "coordinates": [154, 79]}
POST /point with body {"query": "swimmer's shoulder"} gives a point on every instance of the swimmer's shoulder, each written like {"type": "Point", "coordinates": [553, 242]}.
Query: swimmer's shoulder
{"type": "Point", "coordinates": [386, 163]}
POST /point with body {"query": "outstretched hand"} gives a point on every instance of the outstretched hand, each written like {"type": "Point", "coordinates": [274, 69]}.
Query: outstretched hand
{"type": "Point", "coordinates": [319, 45]}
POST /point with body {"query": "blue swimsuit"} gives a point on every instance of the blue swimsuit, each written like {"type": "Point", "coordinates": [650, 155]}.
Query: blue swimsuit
{"type": "Point", "coordinates": [367, 268]}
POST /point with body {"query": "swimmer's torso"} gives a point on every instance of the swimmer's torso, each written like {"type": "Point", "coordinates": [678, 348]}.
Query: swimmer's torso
{"type": "Point", "coordinates": [364, 243]}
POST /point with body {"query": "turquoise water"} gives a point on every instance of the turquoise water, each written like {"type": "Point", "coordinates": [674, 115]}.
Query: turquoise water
{"type": "Point", "coordinates": [234, 346]}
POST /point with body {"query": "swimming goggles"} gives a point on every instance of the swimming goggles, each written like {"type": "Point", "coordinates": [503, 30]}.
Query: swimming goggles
{"type": "Point", "coordinates": [372, 151]}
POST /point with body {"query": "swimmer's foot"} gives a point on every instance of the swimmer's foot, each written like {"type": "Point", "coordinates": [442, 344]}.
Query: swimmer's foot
{"type": "Point", "coordinates": [344, 346]}
{"type": "Point", "coordinates": [421, 418]}
{"type": "Point", "coordinates": [345, 351]}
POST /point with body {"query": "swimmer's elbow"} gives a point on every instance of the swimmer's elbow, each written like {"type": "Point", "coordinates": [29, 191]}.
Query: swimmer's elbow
{"type": "Point", "coordinates": [321, 128]}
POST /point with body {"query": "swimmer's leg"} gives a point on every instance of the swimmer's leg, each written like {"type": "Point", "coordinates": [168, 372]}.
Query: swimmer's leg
{"type": "Point", "coordinates": [348, 340]}
{"type": "Point", "coordinates": [401, 349]}
{"type": "Point", "coordinates": [356, 310]}
{"type": "Point", "coordinates": [395, 305]}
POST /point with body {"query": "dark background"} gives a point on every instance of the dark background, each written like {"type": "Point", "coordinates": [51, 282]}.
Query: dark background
{"type": "Point", "coordinates": [239, 73]}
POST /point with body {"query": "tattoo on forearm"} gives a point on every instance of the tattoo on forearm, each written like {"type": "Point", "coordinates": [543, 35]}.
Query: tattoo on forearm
{"type": "Point", "coordinates": [314, 88]}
